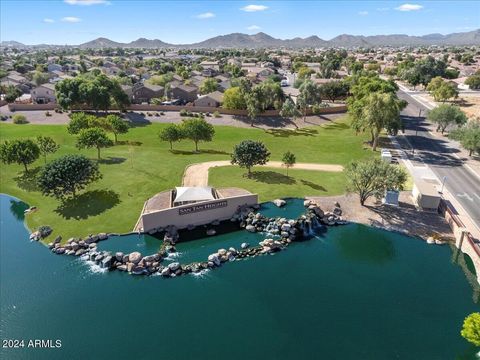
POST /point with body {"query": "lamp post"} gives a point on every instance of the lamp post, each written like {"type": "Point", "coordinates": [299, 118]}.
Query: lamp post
{"type": "Point", "coordinates": [418, 122]}
{"type": "Point", "coordinates": [443, 184]}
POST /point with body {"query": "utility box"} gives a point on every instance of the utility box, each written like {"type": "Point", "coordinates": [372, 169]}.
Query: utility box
{"type": "Point", "coordinates": [425, 196]}
{"type": "Point", "coordinates": [386, 156]}
{"type": "Point", "coordinates": [391, 197]}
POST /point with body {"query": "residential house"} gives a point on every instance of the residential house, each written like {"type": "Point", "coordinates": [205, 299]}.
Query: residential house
{"type": "Point", "coordinates": [54, 67]}
{"type": "Point", "coordinates": [209, 72]}
{"type": "Point", "coordinates": [224, 85]}
{"type": "Point", "coordinates": [184, 92]}
{"type": "Point", "coordinates": [258, 71]}
{"type": "Point", "coordinates": [210, 64]}
{"type": "Point", "coordinates": [144, 92]}
{"type": "Point", "coordinates": [44, 94]}
{"type": "Point", "coordinates": [213, 99]}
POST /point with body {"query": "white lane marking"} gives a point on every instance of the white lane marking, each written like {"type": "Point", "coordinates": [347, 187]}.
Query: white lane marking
{"type": "Point", "coordinates": [466, 196]}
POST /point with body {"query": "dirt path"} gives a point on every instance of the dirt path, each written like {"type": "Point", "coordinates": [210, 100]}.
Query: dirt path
{"type": "Point", "coordinates": [197, 174]}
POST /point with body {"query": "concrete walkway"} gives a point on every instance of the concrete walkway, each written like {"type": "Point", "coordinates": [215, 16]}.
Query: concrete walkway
{"type": "Point", "coordinates": [197, 174]}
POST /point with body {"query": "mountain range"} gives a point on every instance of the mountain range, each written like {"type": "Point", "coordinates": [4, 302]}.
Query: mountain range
{"type": "Point", "coordinates": [262, 40]}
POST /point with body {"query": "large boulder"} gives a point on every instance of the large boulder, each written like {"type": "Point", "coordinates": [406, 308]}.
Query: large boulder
{"type": "Point", "coordinates": [279, 202]}
{"type": "Point", "coordinates": [250, 228]}
{"type": "Point", "coordinates": [119, 256]}
{"type": "Point", "coordinates": [107, 262]}
{"type": "Point", "coordinates": [174, 266]}
{"type": "Point", "coordinates": [134, 257]}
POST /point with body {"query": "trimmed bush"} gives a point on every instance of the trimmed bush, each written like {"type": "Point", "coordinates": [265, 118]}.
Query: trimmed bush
{"type": "Point", "coordinates": [19, 119]}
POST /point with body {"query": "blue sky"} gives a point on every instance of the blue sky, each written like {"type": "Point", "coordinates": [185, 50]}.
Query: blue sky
{"type": "Point", "coordinates": [77, 21]}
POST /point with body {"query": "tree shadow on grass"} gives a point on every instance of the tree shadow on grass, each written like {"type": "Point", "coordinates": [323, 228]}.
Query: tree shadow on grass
{"type": "Point", "coordinates": [313, 185]}
{"type": "Point", "coordinates": [272, 177]}
{"type": "Point", "coordinates": [129, 142]}
{"type": "Point", "coordinates": [205, 151]}
{"type": "Point", "coordinates": [28, 181]}
{"type": "Point", "coordinates": [111, 160]}
{"type": "Point", "coordinates": [88, 204]}
{"type": "Point", "coordinates": [288, 133]}
{"type": "Point", "coordinates": [337, 126]}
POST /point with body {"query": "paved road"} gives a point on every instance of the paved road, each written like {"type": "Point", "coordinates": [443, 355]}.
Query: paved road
{"type": "Point", "coordinates": [441, 158]}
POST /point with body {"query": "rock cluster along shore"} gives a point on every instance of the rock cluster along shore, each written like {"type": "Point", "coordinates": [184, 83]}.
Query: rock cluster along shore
{"type": "Point", "coordinates": [280, 233]}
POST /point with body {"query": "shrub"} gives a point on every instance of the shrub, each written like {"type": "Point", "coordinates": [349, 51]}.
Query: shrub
{"type": "Point", "coordinates": [19, 119]}
{"type": "Point", "coordinates": [183, 112]}
{"type": "Point", "coordinates": [216, 114]}
{"type": "Point", "coordinates": [44, 231]}
{"type": "Point", "coordinates": [47, 113]}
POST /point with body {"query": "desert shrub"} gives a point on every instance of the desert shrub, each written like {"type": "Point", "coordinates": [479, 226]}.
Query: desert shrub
{"type": "Point", "coordinates": [19, 119]}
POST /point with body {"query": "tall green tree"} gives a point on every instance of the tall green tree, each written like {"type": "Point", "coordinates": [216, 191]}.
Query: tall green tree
{"type": "Point", "coordinates": [445, 115]}
{"type": "Point", "coordinates": [290, 111]}
{"type": "Point", "coordinates": [334, 90]}
{"type": "Point", "coordinates": [22, 152]}
{"type": "Point", "coordinates": [468, 135]}
{"type": "Point", "coordinates": [65, 176]}
{"type": "Point", "coordinates": [288, 160]}
{"type": "Point", "coordinates": [12, 93]}
{"type": "Point", "coordinates": [442, 90]}
{"type": "Point", "coordinates": [473, 81]}
{"type": "Point", "coordinates": [116, 125]}
{"type": "Point", "coordinates": [381, 111]}
{"type": "Point", "coordinates": [93, 138]}
{"type": "Point", "coordinates": [197, 130]}
{"type": "Point", "coordinates": [234, 99]}
{"type": "Point", "coordinates": [171, 133]}
{"type": "Point", "coordinates": [208, 85]}
{"type": "Point", "coordinates": [79, 121]}
{"type": "Point", "coordinates": [471, 328]}
{"type": "Point", "coordinates": [254, 101]}
{"type": "Point", "coordinates": [250, 153]}
{"type": "Point", "coordinates": [47, 145]}
{"type": "Point", "coordinates": [373, 177]}
{"type": "Point", "coordinates": [308, 96]}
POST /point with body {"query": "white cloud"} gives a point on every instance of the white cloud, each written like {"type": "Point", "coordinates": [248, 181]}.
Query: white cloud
{"type": "Point", "coordinates": [409, 7]}
{"type": "Point", "coordinates": [207, 15]}
{"type": "Point", "coordinates": [254, 8]}
{"type": "Point", "coordinates": [253, 27]}
{"type": "Point", "coordinates": [71, 19]}
{"type": "Point", "coordinates": [383, 9]}
{"type": "Point", "coordinates": [363, 13]}
{"type": "Point", "coordinates": [86, 2]}
{"type": "Point", "coordinates": [46, 20]}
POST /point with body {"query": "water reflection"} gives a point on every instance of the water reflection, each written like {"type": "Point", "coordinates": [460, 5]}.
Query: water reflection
{"type": "Point", "coordinates": [378, 250]}
{"type": "Point", "coordinates": [466, 264]}
{"type": "Point", "coordinates": [18, 208]}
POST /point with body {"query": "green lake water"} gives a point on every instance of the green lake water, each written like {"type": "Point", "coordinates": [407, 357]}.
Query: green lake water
{"type": "Point", "coordinates": [352, 292]}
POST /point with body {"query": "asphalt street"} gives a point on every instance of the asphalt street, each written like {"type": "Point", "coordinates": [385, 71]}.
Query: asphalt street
{"type": "Point", "coordinates": [442, 159]}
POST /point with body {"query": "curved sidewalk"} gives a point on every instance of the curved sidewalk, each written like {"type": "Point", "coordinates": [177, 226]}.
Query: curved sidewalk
{"type": "Point", "coordinates": [197, 174]}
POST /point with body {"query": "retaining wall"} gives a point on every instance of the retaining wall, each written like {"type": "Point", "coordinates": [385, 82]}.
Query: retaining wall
{"type": "Point", "coordinates": [205, 109]}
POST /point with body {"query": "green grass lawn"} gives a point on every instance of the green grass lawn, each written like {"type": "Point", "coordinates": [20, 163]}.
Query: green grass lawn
{"type": "Point", "coordinates": [142, 166]}
{"type": "Point", "coordinates": [272, 183]}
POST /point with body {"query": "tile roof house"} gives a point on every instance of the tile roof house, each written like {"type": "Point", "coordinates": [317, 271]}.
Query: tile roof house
{"type": "Point", "coordinates": [144, 92]}
{"type": "Point", "coordinates": [184, 92]}
{"type": "Point", "coordinates": [214, 99]}
{"type": "Point", "coordinates": [44, 94]}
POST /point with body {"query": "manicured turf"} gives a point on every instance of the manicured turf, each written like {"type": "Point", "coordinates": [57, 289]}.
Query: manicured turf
{"type": "Point", "coordinates": [143, 166]}
{"type": "Point", "coordinates": [272, 183]}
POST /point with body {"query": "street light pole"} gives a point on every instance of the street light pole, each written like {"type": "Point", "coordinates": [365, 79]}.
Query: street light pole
{"type": "Point", "coordinates": [443, 184]}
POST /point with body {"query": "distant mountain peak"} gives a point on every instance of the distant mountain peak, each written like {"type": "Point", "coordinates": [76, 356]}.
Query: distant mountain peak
{"type": "Point", "coordinates": [263, 40]}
